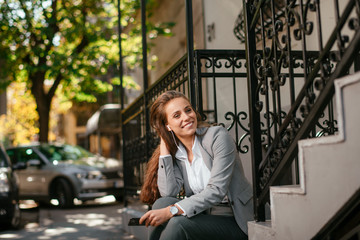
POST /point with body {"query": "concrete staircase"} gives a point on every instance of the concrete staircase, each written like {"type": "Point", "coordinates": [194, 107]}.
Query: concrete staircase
{"type": "Point", "coordinates": [329, 175]}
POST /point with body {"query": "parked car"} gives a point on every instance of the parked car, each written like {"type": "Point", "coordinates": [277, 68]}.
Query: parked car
{"type": "Point", "coordinates": [9, 193]}
{"type": "Point", "coordinates": [65, 172]}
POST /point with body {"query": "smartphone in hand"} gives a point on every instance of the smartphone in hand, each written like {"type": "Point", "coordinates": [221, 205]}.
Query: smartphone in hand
{"type": "Point", "coordinates": [135, 222]}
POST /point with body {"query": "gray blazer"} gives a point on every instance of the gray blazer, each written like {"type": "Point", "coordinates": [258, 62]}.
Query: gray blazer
{"type": "Point", "coordinates": [227, 177]}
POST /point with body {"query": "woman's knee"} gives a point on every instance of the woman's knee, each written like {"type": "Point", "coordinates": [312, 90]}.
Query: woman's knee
{"type": "Point", "coordinates": [164, 202]}
{"type": "Point", "coordinates": [177, 221]}
{"type": "Point", "coordinates": [175, 229]}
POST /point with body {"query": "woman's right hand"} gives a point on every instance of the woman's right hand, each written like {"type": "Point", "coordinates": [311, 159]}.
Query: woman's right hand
{"type": "Point", "coordinates": [156, 217]}
{"type": "Point", "coordinates": [163, 149]}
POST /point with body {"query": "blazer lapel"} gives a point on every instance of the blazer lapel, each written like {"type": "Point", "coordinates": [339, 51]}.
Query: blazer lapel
{"type": "Point", "coordinates": [208, 159]}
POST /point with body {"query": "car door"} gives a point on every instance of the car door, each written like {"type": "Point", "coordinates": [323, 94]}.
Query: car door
{"type": "Point", "coordinates": [32, 178]}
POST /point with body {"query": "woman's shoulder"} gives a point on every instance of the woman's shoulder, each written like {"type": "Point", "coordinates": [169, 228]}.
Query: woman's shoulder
{"type": "Point", "coordinates": [210, 132]}
{"type": "Point", "coordinates": [215, 137]}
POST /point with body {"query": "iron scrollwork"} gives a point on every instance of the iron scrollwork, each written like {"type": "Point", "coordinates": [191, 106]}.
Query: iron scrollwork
{"type": "Point", "coordinates": [270, 65]}
{"type": "Point", "coordinates": [218, 62]}
{"type": "Point", "coordinates": [241, 119]}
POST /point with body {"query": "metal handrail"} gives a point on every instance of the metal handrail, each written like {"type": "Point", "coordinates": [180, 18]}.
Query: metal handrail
{"type": "Point", "coordinates": [315, 95]}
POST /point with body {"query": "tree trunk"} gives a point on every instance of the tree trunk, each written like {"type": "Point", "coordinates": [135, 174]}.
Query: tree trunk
{"type": "Point", "coordinates": [43, 109]}
{"type": "Point", "coordinates": [43, 102]}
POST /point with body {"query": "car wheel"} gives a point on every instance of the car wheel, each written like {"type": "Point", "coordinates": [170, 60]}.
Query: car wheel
{"type": "Point", "coordinates": [63, 194]}
{"type": "Point", "coordinates": [16, 218]}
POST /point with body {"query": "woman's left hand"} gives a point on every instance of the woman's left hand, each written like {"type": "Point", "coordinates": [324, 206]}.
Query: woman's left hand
{"type": "Point", "coordinates": [156, 217]}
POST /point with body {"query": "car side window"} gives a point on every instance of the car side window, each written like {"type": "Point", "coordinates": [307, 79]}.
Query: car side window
{"type": "Point", "coordinates": [50, 152]}
{"type": "Point", "coordinates": [26, 154]}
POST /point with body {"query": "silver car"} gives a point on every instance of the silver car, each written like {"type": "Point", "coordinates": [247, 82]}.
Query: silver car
{"type": "Point", "coordinates": [65, 172]}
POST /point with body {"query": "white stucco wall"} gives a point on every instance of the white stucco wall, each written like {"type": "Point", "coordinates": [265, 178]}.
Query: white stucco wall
{"type": "Point", "coordinates": [219, 22]}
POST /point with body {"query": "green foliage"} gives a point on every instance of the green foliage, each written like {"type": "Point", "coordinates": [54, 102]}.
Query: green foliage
{"type": "Point", "coordinates": [73, 40]}
{"type": "Point", "coordinates": [128, 82]}
{"type": "Point", "coordinates": [69, 46]}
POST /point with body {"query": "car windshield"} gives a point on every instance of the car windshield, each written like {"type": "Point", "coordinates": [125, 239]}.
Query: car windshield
{"type": "Point", "coordinates": [64, 152]}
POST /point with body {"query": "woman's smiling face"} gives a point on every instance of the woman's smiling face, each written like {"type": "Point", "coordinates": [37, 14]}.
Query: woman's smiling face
{"type": "Point", "coordinates": [181, 118]}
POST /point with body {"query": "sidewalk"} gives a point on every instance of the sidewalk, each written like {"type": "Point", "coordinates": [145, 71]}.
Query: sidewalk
{"type": "Point", "coordinates": [88, 221]}
{"type": "Point", "coordinates": [93, 222]}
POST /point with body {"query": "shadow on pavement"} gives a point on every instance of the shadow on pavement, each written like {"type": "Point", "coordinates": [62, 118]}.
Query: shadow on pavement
{"type": "Point", "coordinates": [91, 220]}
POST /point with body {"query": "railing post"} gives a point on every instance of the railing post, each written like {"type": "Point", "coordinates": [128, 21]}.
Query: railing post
{"type": "Point", "coordinates": [254, 115]}
{"type": "Point", "coordinates": [145, 74]}
{"type": "Point", "coordinates": [190, 52]}
{"type": "Point", "coordinates": [121, 68]}
{"type": "Point", "coordinates": [197, 62]}
{"type": "Point", "coordinates": [144, 44]}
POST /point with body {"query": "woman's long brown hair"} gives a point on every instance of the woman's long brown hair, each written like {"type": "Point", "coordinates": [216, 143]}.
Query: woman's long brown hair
{"type": "Point", "coordinates": [158, 119]}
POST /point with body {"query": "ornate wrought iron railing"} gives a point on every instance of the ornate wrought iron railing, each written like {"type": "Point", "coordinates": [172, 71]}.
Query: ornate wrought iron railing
{"type": "Point", "coordinates": [222, 98]}
{"type": "Point", "coordinates": [220, 75]}
{"type": "Point", "coordinates": [239, 28]}
{"type": "Point", "coordinates": [272, 73]}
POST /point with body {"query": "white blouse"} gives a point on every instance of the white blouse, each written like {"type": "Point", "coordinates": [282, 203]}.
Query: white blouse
{"type": "Point", "coordinates": [197, 172]}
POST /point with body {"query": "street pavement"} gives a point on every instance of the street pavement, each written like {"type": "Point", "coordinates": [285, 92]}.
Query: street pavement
{"type": "Point", "coordinates": [93, 220]}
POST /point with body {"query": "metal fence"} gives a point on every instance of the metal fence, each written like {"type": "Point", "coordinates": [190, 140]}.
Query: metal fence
{"type": "Point", "coordinates": [272, 75]}
{"type": "Point", "coordinates": [221, 98]}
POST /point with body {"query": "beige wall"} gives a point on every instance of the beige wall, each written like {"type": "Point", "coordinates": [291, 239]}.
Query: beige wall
{"type": "Point", "coordinates": [170, 50]}
{"type": "Point", "coordinates": [70, 129]}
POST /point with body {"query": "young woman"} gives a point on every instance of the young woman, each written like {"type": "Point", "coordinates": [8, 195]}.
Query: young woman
{"type": "Point", "coordinates": [203, 161]}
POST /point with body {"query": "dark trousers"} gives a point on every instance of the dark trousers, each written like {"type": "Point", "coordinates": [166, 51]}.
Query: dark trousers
{"type": "Point", "coordinates": [201, 226]}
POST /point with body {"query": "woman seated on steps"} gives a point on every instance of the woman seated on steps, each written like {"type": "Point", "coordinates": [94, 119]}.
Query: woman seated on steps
{"type": "Point", "coordinates": [203, 161]}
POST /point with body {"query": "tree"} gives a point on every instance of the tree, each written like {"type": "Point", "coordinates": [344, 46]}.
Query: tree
{"type": "Point", "coordinates": [67, 43]}
{"type": "Point", "coordinates": [18, 126]}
